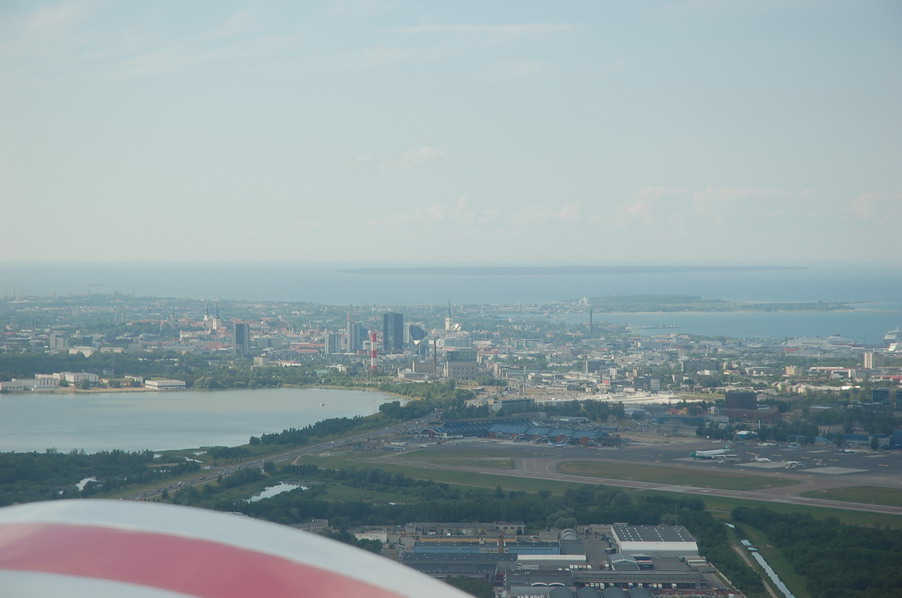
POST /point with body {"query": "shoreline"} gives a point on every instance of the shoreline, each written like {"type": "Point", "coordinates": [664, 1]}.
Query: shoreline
{"type": "Point", "coordinates": [77, 391]}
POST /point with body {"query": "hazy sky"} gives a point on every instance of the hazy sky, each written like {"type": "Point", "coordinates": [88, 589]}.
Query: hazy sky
{"type": "Point", "coordinates": [503, 132]}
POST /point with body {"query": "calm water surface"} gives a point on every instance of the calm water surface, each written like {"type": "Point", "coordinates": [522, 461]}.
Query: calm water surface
{"type": "Point", "coordinates": [874, 289]}
{"type": "Point", "coordinates": [865, 326]}
{"type": "Point", "coordinates": [344, 284]}
{"type": "Point", "coordinates": [136, 421]}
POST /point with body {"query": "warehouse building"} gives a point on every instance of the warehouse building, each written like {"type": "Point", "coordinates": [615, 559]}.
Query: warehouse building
{"type": "Point", "coordinates": [654, 540]}
{"type": "Point", "coordinates": [164, 384]}
{"type": "Point", "coordinates": [600, 561]}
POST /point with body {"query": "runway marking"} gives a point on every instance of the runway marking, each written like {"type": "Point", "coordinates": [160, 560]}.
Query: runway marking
{"type": "Point", "coordinates": [834, 470]}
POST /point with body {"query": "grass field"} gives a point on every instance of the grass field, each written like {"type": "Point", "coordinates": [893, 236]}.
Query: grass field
{"type": "Point", "coordinates": [336, 491]}
{"type": "Point", "coordinates": [774, 557]}
{"type": "Point", "coordinates": [872, 495]}
{"type": "Point", "coordinates": [721, 507]}
{"type": "Point", "coordinates": [671, 475]}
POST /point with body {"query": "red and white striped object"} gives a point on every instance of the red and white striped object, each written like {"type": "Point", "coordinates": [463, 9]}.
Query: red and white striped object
{"type": "Point", "coordinates": [104, 548]}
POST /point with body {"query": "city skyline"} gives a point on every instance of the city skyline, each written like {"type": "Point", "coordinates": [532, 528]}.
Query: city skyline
{"type": "Point", "coordinates": [372, 132]}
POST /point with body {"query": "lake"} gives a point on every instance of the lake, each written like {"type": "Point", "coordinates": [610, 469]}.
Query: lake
{"type": "Point", "coordinates": [135, 421]}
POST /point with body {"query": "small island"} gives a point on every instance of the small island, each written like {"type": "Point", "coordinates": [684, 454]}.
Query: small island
{"type": "Point", "coordinates": [695, 303]}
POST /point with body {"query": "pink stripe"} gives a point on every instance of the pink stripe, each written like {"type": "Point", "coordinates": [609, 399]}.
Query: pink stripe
{"type": "Point", "coordinates": [191, 566]}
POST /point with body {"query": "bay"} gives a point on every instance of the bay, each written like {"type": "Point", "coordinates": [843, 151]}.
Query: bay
{"type": "Point", "coordinates": [874, 290]}
{"type": "Point", "coordinates": [863, 326]}
{"type": "Point", "coordinates": [135, 421]}
{"type": "Point", "coordinates": [346, 284]}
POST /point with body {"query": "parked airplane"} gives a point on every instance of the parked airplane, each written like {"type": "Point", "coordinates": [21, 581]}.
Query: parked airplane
{"type": "Point", "coordinates": [712, 454]}
{"type": "Point", "coordinates": [792, 464]}
{"type": "Point", "coordinates": [761, 460]}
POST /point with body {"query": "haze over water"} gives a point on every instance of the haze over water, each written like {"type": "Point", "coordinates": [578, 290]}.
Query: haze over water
{"type": "Point", "coordinates": [875, 290]}
{"type": "Point", "coordinates": [345, 284]}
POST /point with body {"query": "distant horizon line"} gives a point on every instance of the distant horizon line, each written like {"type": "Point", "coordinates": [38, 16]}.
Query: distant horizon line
{"type": "Point", "coordinates": [547, 270]}
{"type": "Point", "coordinates": [398, 264]}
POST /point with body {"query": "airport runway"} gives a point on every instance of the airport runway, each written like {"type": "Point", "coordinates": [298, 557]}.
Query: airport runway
{"type": "Point", "coordinates": [813, 468]}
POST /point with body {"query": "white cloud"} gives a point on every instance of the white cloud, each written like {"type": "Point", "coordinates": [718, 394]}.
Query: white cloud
{"type": "Point", "coordinates": [570, 213]}
{"type": "Point", "coordinates": [413, 158]}
{"type": "Point", "coordinates": [236, 24]}
{"type": "Point", "coordinates": [648, 205]}
{"type": "Point", "coordinates": [53, 20]}
{"type": "Point", "coordinates": [616, 65]}
{"type": "Point", "coordinates": [62, 41]}
{"type": "Point", "coordinates": [437, 214]}
{"type": "Point", "coordinates": [151, 61]}
{"type": "Point", "coordinates": [683, 211]}
{"type": "Point", "coordinates": [361, 9]}
{"type": "Point", "coordinates": [878, 208]}
{"type": "Point", "coordinates": [294, 61]}
{"type": "Point", "coordinates": [462, 212]}
{"type": "Point", "coordinates": [48, 30]}
{"type": "Point", "coordinates": [718, 204]}
{"type": "Point", "coordinates": [514, 69]}
{"type": "Point", "coordinates": [499, 32]}
{"type": "Point", "coordinates": [307, 227]}
{"type": "Point", "coordinates": [359, 161]}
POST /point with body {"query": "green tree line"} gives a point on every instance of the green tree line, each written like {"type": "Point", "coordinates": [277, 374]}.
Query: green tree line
{"type": "Point", "coordinates": [435, 501]}
{"type": "Point", "coordinates": [28, 477]}
{"type": "Point", "coordinates": [838, 561]}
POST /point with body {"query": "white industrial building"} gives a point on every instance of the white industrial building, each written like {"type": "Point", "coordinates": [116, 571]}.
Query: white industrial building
{"type": "Point", "coordinates": [654, 540]}
{"type": "Point", "coordinates": [29, 384]}
{"type": "Point", "coordinates": [165, 384]}
{"type": "Point", "coordinates": [76, 377]}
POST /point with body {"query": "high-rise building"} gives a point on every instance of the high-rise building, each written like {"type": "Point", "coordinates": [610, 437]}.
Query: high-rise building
{"type": "Point", "coordinates": [58, 342]}
{"type": "Point", "coordinates": [393, 333]}
{"type": "Point", "coordinates": [737, 399]}
{"type": "Point", "coordinates": [414, 334]}
{"type": "Point", "coordinates": [361, 334]}
{"type": "Point", "coordinates": [242, 339]}
{"type": "Point", "coordinates": [872, 360]}
{"type": "Point", "coordinates": [332, 343]}
{"type": "Point", "coordinates": [355, 334]}
{"type": "Point", "coordinates": [350, 341]}
{"type": "Point", "coordinates": [415, 339]}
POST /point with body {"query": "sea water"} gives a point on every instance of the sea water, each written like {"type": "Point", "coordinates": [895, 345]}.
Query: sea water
{"type": "Point", "coordinates": [874, 290]}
